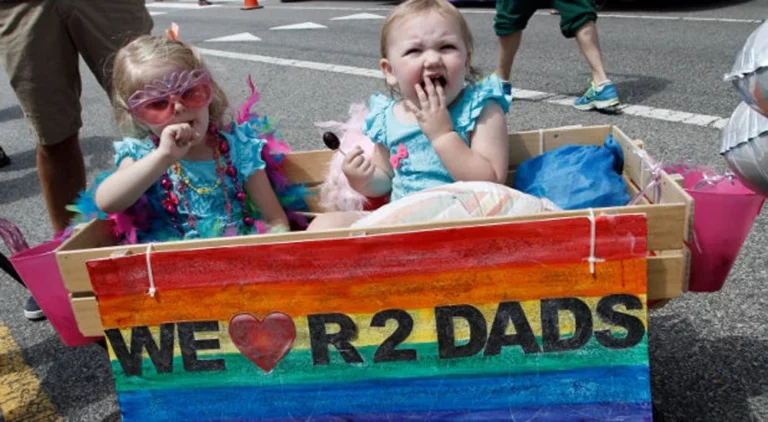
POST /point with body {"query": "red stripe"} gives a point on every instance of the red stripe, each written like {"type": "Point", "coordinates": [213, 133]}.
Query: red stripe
{"type": "Point", "coordinates": [435, 251]}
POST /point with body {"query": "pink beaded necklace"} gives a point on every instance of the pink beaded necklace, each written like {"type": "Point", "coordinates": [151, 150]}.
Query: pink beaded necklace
{"type": "Point", "coordinates": [224, 169]}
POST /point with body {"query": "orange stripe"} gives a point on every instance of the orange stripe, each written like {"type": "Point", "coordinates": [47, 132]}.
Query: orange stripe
{"type": "Point", "coordinates": [367, 295]}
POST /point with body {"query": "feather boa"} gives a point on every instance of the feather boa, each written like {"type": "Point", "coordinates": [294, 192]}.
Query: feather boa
{"type": "Point", "coordinates": [335, 192]}
{"type": "Point", "coordinates": [140, 217]}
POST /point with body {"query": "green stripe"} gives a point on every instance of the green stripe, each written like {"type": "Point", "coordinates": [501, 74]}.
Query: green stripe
{"type": "Point", "coordinates": [297, 368]}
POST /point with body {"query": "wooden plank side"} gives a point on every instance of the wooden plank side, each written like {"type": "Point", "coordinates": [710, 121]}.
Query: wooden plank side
{"type": "Point", "coordinates": [308, 167]}
{"type": "Point", "coordinates": [529, 144]}
{"type": "Point", "coordinates": [664, 222]}
{"type": "Point", "coordinates": [86, 311]}
{"type": "Point", "coordinates": [641, 176]}
{"type": "Point", "coordinates": [394, 255]}
{"type": "Point", "coordinates": [664, 275]}
{"type": "Point", "coordinates": [86, 243]}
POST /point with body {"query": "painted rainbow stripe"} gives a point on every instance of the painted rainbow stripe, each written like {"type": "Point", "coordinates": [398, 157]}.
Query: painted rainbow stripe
{"type": "Point", "coordinates": [525, 263]}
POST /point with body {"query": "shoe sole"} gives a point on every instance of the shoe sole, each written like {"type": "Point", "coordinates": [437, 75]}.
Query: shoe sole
{"type": "Point", "coordinates": [34, 315]}
{"type": "Point", "coordinates": [600, 105]}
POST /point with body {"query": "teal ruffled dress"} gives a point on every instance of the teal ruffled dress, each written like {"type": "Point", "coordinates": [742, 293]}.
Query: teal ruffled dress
{"type": "Point", "coordinates": [252, 147]}
{"type": "Point", "coordinates": [204, 197]}
{"type": "Point", "coordinates": [416, 164]}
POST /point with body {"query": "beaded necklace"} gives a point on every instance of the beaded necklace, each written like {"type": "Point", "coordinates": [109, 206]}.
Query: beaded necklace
{"type": "Point", "coordinates": [224, 169]}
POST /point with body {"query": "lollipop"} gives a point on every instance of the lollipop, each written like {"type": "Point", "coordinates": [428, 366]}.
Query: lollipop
{"type": "Point", "coordinates": [745, 147]}
{"type": "Point", "coordinates": [750, 71]}
{"type": "Point", "coordinates": [332, 142]}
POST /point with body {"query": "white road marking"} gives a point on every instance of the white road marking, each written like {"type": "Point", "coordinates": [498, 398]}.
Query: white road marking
{"type": "Point", "coordinates": [304, 25]}
{"type": "Point", "coordinates": [492, 12]}
{"type": "Point", "coordinates": [358, 16]}
{"type": "Point", "coordinates": [157, 13]}
{"type": "Point", "coordinates": [243, 36]}
{"type": "Point", "coordinates": [676, 116]}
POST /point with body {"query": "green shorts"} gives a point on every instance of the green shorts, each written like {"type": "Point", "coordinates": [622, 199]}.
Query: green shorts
{"type": "Point", "coordinates": [513, 15]}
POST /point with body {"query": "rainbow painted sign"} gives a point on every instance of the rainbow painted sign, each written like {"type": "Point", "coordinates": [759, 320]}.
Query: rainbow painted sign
{"type": "Point", "coordinates": [495, 322]}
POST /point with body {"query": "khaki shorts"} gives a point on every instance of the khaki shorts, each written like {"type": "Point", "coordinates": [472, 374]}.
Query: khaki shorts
{"type": "Point", "coordinates": [39, 45]}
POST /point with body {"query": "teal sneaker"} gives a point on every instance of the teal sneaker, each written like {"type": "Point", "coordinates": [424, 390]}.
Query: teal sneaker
{"type": "Point", "coordinates": [602, 98]}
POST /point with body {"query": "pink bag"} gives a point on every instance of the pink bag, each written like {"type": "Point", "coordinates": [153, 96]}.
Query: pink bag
{"type": "Point", "coordinates": [40, 272]}
{"type": "Point", "coordinates": [724, 210]}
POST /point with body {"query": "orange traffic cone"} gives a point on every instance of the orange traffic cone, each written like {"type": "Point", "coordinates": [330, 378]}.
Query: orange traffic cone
{"type": "Point", "coordinates": [251, 4]}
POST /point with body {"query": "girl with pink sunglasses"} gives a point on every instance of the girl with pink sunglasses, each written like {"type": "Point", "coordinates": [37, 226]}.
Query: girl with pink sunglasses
{"type": "Point", "coordinates": [186, 168]}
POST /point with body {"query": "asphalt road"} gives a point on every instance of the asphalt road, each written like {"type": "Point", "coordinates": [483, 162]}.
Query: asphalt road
{"type": "Point", "coordinates": [707, 351]}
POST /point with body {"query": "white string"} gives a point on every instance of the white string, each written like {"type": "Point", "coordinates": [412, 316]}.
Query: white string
{"type": "Point", "coordinates": [541, 141]}
{"type": "Point", "coordinates": [152, 290]}
{"type": "Point", "coordinates": [592, 240]}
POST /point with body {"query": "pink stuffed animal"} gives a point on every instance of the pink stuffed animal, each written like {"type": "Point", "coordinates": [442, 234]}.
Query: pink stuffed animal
{"type": "Point", "coordinates": [335, 192]}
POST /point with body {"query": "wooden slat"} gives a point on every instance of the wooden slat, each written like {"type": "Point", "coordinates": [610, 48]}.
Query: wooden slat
{"type": "Point", "coordinates": [86, 310]}
{"type": "Point", "coordinates": [664, 222]}
{"type": "Point", "coordinates": [86, 243]}
{"type": "Point", "coordinates": [308, 167]}
{"type": "Point", "coordinates": [641, 176]}
{"type": "Point", "coordinates": [664, 274]}
{"type": "Point", "coordinates": [525, 145]}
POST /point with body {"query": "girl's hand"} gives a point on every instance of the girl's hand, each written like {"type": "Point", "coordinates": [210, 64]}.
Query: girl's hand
{"type": "Point", "coordinates": [432, 114]}
{"type": "Point", "coordinates": [358, 169]}
{"type": "Point", "coordinates": [177, 139]}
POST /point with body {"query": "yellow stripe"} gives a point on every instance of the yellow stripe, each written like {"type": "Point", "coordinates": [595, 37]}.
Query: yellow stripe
{"type": "Point", "coordinates": [423, 327]}
{"type": "Point", "coordinates": [21, 396]}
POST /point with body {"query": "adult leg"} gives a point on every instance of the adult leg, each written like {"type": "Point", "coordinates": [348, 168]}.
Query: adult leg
{"type": "Point", "coordinates": [511, 19]}
{"type": "Point", "coordinates": [31, 310]}
{"type": "Point", "coordinates": [7, 267]}
{"type": "Point", "coordinates": [589, 43]}
{"type": "Point", "coordinates": [61, 170]}
{"type": "Point", "coordinates": [33, 41]}
{"type": "Point", "coordinates": [577, 20]}
{"type": "Point", "coordinates": [97, 30]}
{"type": "Point", "coordinates": [5, 160]}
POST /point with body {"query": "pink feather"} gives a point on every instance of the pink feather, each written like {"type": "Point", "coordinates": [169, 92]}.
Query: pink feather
{"type": "Point", "coordinates": [12, 237]}
{"type": "Point", "coordinates": [245, 109]}
{"type": "Point", "coordinates": [124, 225]}
{"type": "Point", "coordinates": [335, 192]}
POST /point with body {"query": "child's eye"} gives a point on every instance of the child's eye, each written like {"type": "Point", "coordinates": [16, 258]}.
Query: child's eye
{"type": "Point", "coordinates": [157, 105]}
{"type": "Point", "coordinates": [412, 51]}
{"type": "Point", "coordinates": [448, 47]}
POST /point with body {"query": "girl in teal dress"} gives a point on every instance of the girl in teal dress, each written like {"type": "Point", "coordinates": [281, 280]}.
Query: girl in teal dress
{"type": "Point", "coordinates": [187, 169]}
{"type": "Point", "coordinates": [442, 126]}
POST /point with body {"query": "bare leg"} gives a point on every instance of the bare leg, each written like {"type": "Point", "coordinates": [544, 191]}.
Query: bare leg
{"type": "Point", "coordinates": [61, 170]}
{"type": "Point", "coordinates": [590, 47]}
{"type": "Point", "coordinates": [508, 46]}
{"type": "Point", "coordinates": [334, 220]}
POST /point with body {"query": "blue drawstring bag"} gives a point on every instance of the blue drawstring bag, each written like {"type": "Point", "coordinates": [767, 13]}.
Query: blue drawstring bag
{"type": "Point", "coordinates": [576, 176]}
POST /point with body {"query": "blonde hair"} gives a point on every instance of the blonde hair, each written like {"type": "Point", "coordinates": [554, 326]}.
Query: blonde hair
{"type": "Point", "coordinates": [148, 49]}
{"type": "Point", "coordinates": [412, 8]}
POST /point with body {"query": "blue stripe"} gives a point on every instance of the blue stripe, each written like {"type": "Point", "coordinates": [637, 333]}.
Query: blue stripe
{"type": "Point", "coordinates": [618, 384]}
{"type": "Point", "coordinates": [613, 412]}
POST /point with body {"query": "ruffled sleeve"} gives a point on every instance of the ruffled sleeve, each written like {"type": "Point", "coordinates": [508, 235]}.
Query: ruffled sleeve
{"type": "Point", "coordinates": [246, 147]}
{"type": "Point", "coordinates": [375, 122]}
{"type": "Point", "coordinates": [131, 148]}
{"type": "Point", "coordinates": [474, 99]}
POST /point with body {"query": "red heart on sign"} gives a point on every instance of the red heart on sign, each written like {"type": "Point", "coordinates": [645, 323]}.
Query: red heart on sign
{"type": "Point", "coordinates": [263, 342]}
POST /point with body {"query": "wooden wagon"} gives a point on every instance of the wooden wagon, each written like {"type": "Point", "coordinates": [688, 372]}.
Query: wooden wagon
{"type": "Point", "coordinates": [530, 271]}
